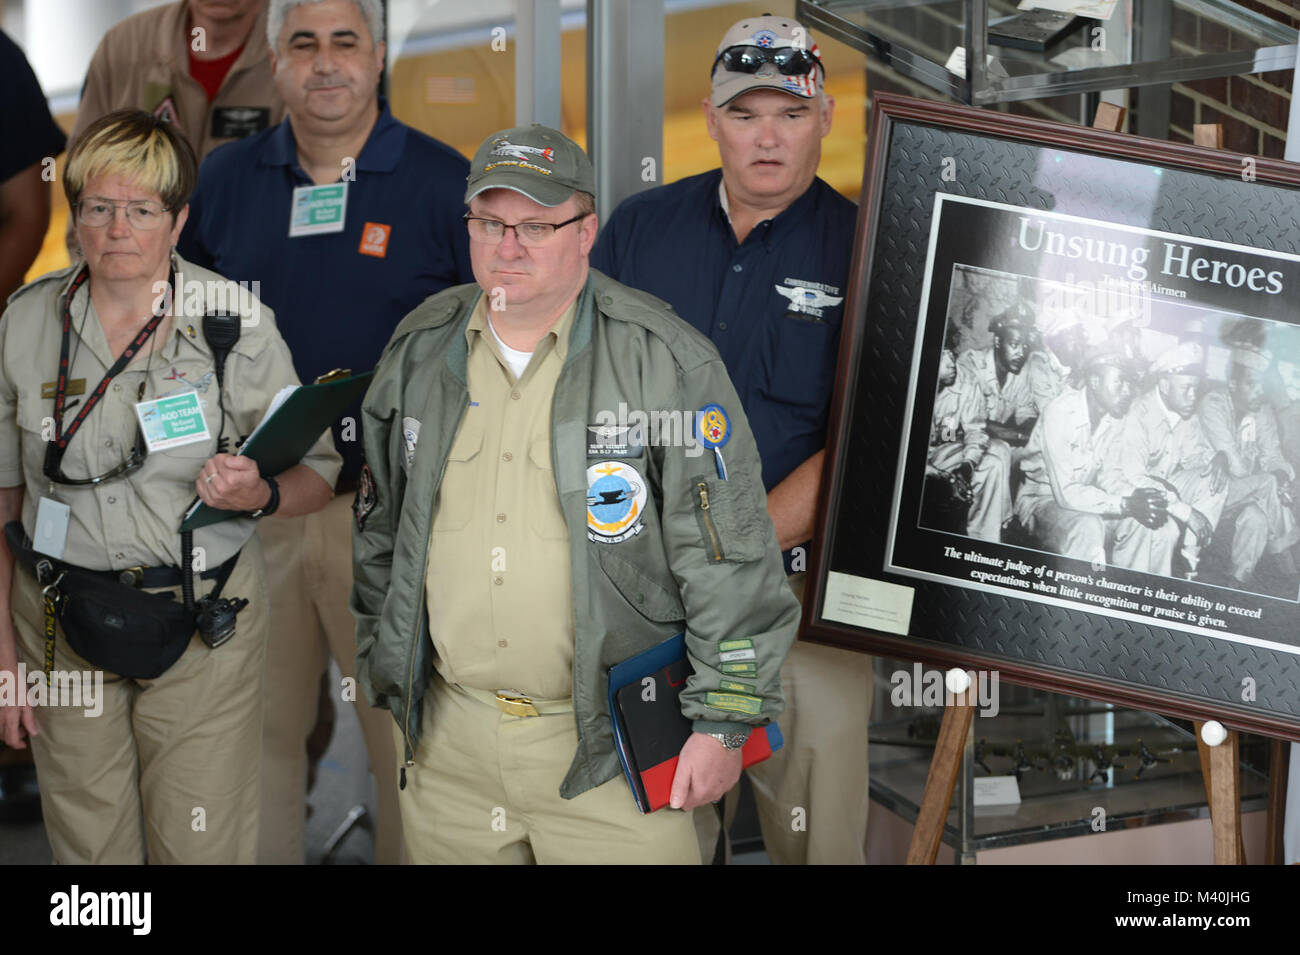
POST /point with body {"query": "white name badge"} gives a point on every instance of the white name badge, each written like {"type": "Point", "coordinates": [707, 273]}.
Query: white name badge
{"type": "Point", "coordinates": [51, 527]}
{"type": "Point", "coordinates": [172, 421]}
{"type": "Point", "coordinates": [318, 209]}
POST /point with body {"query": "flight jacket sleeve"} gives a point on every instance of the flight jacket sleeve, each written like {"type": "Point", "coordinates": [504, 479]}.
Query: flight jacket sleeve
{"type": "Point", "coordinates": [741, 616]}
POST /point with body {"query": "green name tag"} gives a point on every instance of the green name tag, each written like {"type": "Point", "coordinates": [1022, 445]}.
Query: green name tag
{"type": "Point", "coordinates": [735, 702]}
{"type": "Point", "coordinates": [728, 645]}
{"type": "Point", "coordinates": [734, 687]}
{"type": "Point", "coordinates": [740, 669]}
{"type": "Point", "coordinates": [172, 421]}
{"type": "Point", "coordinates": [318, 209]}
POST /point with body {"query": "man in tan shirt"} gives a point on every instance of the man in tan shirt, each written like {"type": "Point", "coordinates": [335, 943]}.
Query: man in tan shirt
{"type": "Point", "coordinates": [201, 64]}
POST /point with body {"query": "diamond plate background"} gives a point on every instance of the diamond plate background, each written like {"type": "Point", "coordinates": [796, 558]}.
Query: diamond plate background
{"type": "Point", "coordinates": [1026, 632]}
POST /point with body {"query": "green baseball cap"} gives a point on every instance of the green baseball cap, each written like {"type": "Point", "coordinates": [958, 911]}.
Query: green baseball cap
{"type": "Point", "coordinates": [541, 163]}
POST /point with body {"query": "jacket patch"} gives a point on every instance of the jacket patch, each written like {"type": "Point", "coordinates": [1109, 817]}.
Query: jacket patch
{"type": "Point", "coordinates": [410, 436]}
{"type": "Point", "coordinates": [616, 499]}
{"type": "Point", "coordinates": [733, 687]}
{"type": "Point", "coordinates": [734, 702]}
{"type": "Point", "coordinates": [367, 497]}
{"type": "Point", "coordinates": [611, 441]}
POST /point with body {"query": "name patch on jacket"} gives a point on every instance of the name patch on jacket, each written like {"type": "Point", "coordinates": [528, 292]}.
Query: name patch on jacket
{"type": "Point", "coordinates": [236, 122]}
{"type": "Point", "coordinates": [612, 441]}
{"type": "Point", "coordinates": [616, 499]}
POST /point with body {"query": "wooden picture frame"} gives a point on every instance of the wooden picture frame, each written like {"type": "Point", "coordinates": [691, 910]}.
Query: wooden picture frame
{"type": "Point", "coordinates": [1005, 506]}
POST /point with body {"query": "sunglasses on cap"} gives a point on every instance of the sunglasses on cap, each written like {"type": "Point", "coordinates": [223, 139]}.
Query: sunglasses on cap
{"type": "Point", "coordinates": [789, 60]}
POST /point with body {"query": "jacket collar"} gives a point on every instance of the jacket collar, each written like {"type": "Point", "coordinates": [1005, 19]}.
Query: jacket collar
{"type": "Point", "coordinates": [381, 153]}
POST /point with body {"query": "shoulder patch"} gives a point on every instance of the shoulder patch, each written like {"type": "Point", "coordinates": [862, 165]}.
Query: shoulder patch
{"type": "Point", "coordinates": [367, 497]}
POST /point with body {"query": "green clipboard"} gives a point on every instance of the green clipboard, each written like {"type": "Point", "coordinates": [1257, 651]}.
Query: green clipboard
{"type": "Point", "coordinates": [282, 440]}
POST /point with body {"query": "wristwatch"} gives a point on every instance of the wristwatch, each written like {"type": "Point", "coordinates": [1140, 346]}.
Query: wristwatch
{"type": "Point", "coordinates": [271, 506]}
{"type": "Point", "coordinates": [731, 740]}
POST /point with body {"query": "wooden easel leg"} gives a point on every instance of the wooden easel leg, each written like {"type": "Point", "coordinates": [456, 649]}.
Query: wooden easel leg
{"type": "Point", "coordinates": [1278, 767]}
{"type": "Point", "coordinates": [944, 769]}
{"type": "Point", "coordinates": [1208, 772]}
{"type": "Point", "coordinates": [1221, 768]}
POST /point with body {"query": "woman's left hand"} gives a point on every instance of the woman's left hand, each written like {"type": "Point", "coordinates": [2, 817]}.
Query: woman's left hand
{"type": "Point", "coordinates": [232, 482]}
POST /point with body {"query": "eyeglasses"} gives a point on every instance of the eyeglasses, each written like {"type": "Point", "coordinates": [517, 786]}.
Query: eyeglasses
{"type": "Point", "coordinates": [141, 214]}
{"type": "Point", "coordinates": [53, 468]}
{"type": "Point", "coordinates": [789, 60]}
{"type": "Point", "coordinates": [528, 234]}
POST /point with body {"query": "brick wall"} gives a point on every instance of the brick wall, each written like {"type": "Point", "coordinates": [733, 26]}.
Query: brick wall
{"type": "Point", "coordinates": [1253, 109]}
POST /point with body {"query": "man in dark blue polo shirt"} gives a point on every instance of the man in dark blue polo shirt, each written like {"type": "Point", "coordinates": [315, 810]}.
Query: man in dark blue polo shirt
{"type": "Point", "coordinates": [756, 256]}
{"type": "Point", "coordinates": [347, 219]}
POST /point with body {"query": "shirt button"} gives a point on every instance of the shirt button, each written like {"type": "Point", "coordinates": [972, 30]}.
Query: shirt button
{"type": "Point", "coordinates": [112, 500]}
{"type": "Point", "coordinates": [507, 456]}
{"type": "Point", "coordinates": [119, 556]}
{"type": "Point", "coordinates": [605, 299]}
{"type": "Point", "coordinates": [108, 442]}
{"type": "Point", "coordinates": [501, 518]}
{"type": "Point", "coordinates": [737, 267]}
{"type": "Point", "coordinates": [117, 387]}
{"type": "Point", "coordinates": [515, 394]}
{"type": "Point", "coordinates": [502, 643]}
{"type": "Point", "coordinates": [498, 581]}
{"type": "Point", "coordinates": [722, 326]}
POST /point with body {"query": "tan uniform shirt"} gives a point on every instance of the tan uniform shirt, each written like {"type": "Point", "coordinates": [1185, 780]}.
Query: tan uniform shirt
{"type": "Point", "coordinates": [498, 583]}
{"type": "Point", "coordinates": [143, 63]}
{"type": "Point", "coordinates": [134, 520]}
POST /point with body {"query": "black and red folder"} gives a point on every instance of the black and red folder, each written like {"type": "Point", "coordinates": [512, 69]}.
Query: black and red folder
{"type": "Point", "coordinates": [649, 728]}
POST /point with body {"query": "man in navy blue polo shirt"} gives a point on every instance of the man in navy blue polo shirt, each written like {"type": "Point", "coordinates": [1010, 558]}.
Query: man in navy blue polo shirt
{"type": "Point", "coordinates": [756, 256]}
{"type": "Point", "coordinates": [348, 219]}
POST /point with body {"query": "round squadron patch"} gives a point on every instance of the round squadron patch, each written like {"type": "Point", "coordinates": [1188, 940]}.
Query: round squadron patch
{"type": "Point", "coordinates": [616, 499]}
{"type": "Point", "coordinates": [713, 425]}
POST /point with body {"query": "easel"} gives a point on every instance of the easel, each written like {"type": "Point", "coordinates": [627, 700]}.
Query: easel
{"type": "Point", "coordinates": [1219, 762]}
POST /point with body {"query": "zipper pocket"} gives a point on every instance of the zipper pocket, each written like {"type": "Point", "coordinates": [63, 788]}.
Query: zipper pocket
{"type": "Point", "coordinates": [708, 520]}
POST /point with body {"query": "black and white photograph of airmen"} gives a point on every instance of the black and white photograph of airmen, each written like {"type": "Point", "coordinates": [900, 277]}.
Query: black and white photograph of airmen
{"type": "Point", "coordinates": [1151, 435]}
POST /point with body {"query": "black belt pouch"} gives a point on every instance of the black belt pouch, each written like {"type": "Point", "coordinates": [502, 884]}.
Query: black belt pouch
{"type": "Point", "coordinates": [121, 629]}
{"type": "Point", "coordinates": [109, 624]}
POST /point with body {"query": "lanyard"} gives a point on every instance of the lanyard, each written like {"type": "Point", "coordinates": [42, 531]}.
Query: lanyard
{"type": "Point", "coordinates": [61, 437]}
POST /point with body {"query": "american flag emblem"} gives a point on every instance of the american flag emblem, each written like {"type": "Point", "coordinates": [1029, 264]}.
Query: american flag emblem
{"type": "Point", "coordinates": [450, 89]}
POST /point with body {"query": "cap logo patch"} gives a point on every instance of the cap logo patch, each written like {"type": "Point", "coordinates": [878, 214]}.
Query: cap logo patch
{"type": "Point", "coordinates": [506, 148]}
{"type": "Point", "coordinates": [765, 38]}
{"type": "Point", "coordinates": [517, 162]}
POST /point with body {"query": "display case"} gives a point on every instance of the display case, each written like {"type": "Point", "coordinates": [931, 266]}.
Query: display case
{"type": "Point", "coordinates": [1131, 43]}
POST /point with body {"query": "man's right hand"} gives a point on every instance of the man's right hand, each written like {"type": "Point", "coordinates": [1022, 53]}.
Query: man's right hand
{"type": "Point", "coordinates": [1200, 525]}
{"type": "Point", "coordinates": [959, 479]}
{"type": "Point", "coordinates": [1148, 506]}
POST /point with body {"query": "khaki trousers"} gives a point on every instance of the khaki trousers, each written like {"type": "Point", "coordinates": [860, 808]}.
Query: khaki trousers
{"type": "Point", "coordinates": [168, 771]}
{"type": "Point", "coordinates": [812, 795]}
{"type": "Point", "coordinates": [309, 578]}
{"type": "Point", "coordinates": [485, 789]}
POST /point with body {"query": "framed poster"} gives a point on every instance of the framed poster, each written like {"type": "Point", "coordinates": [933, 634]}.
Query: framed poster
{"type": "Point", "coordinates": [1065, 439]}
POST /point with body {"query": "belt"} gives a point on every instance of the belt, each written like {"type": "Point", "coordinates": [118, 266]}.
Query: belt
{"type": "Point", "coordinates": [148, 578]}
{"type": "Point", "coordinates": [513, 703]}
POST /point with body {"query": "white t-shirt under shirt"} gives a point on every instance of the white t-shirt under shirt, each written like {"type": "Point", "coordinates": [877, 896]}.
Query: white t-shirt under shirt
{"type": "Point", "coordinates": [516, 359]}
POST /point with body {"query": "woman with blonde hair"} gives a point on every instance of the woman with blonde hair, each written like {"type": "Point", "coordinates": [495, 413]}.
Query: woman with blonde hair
{"type": "Point", "coordinates": [137, 653]}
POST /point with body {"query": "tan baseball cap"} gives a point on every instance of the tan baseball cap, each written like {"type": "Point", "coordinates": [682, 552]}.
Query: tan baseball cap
{"type": "Point", "coordinates": [768, 33]}
{"type": "Point", "coordinates": [541, 163]}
